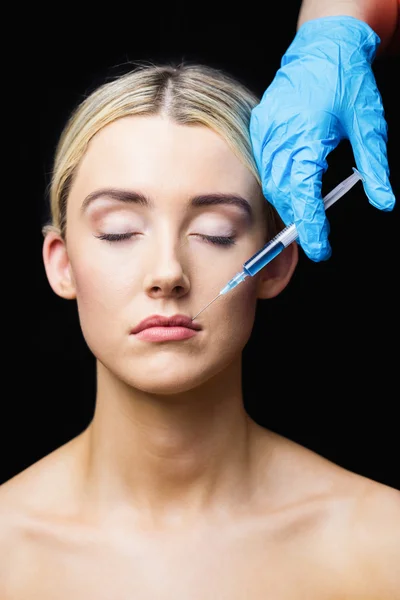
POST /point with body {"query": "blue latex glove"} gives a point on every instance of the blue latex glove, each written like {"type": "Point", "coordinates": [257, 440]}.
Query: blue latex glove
{"type": "Point", "coordinates": [325, 91]}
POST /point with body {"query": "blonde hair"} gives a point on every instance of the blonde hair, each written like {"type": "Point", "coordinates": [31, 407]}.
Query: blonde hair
{"type": "Point", "coordinates": [187, 94]}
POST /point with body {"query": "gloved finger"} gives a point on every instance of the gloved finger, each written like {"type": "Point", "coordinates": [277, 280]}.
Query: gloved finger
{"type": "Point", "coordinates": [368, 137]}
{"type": "Point", "coordinates": [308, 206]}
{"type": "Point", "coordinates": [272, 144]}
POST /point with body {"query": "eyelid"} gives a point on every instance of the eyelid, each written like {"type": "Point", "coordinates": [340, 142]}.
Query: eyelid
{"type": "Point", "coordinates": [221, 240]}
{"type": "Point", "coordinates": [114, 217]}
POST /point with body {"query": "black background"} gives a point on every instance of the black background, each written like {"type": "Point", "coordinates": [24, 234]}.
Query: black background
{"type": "Point", "coordinates": [322, 365]}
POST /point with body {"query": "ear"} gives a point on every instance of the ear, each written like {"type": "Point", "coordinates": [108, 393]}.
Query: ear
{"type": "Point", "coordinates": [57, 265]}
{"type": "Point", "coordinates": [275, 276]}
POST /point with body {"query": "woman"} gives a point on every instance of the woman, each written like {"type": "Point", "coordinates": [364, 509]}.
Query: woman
{"type": "Point", "coordinates": [173, 490]}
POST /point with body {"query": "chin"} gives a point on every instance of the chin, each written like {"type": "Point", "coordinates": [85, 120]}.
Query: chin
{"type": "Point", "coordinates": [172, 382]}
{"type": "Point", "coordinates": [166, 373]}
{"type": "Point", "coordinates": [176, 379]}
{"type": "Point", "coordinates": [161, 388]}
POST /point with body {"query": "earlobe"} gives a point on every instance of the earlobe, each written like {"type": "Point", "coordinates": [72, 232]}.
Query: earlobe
{"type": "Point", "coordinates": [275, 276]}
{"type": "Point", "coordinates": [57, 266]}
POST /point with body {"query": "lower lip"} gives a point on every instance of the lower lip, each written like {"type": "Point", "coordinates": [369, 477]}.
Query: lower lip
{"type": "Point", "coordinates": [165, 334]}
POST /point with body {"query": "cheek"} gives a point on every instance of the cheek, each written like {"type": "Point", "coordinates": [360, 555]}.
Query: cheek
{"type": "Point", "coordinates": [242, 305]}
{"type": "Point", "coordinates": [103, 297]}
{"type": "Point", "coordinates": [100, 279]}
{"type": "Point", "coordinates": [234, 316]}
{"type": "Point", "coordinates": [96, 286]}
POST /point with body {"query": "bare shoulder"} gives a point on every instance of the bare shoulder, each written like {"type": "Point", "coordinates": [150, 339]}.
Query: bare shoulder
{"type": "Point", "coordinates": [354, 517]}
{"type": "Point", "coordinates": [376, 538]}
{"type": "Point", "coordinates": [41, 484]}
{"type": "Point", "coordinates": [26, 500]}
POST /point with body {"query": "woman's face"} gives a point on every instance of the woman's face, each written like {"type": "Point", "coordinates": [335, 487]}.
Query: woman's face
{"type": "Point", "coordinates": [160, 216]}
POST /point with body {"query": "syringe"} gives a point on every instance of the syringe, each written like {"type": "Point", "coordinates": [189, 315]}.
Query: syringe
{"type": "Point", "coordinates": [281, 241]}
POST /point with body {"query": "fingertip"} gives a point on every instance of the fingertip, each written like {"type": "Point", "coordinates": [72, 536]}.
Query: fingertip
{"type": "Point", "coordinates": [313, 235]}
{"type": "Point", "coordinates": [318, 252]}
{"type": "Point", "coordinates": [380, 196]}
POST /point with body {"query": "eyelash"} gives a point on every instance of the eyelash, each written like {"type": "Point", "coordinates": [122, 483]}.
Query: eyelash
{"type": "Point", "coordinates": [213, 239]}
{"type": "Point", "coordinates": [219, 240]}
{"type": "Point", "coordinates": [114, 237]}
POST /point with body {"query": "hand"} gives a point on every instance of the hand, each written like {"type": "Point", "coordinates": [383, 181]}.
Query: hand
{"type": "Point", "coordinates": [325, 91]}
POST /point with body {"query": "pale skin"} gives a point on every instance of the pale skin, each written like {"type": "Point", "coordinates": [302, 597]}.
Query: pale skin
{"type": "Point", "coordinates": [173, 491]}
{"type": "Point", "coordinates": [382, 15]}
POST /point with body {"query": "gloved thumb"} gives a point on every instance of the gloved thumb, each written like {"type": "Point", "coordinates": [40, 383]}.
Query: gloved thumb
{"type": "Point", "coordinates": [308, 206]}
{"type": "Point", "coordinates": [368, 138]}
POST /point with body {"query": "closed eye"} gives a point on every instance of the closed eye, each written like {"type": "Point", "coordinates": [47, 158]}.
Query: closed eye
{"type": "Point", "coordinates": [219, 240]}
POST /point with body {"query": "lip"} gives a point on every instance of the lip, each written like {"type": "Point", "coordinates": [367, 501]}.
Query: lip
{"type": "Point", "coordinates": [161, 322]}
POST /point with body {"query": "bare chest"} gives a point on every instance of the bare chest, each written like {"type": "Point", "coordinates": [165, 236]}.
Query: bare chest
{"type": "Point", "coordinates": [236, 567]}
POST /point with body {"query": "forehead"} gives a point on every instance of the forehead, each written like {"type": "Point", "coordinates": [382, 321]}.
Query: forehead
{"type": "Point", "coordinates": [155, 155]}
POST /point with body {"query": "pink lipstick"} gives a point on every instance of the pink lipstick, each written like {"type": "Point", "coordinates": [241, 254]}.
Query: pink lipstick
{"type": "Point", "coordinates": [158, 328]}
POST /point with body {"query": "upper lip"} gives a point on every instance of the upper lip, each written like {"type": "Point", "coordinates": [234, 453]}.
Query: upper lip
{"type": "Point", "coordinates": [161, 321]}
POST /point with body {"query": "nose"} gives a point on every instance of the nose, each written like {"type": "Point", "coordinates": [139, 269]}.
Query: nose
{"type": "Point", "coordinates": [166, 277]}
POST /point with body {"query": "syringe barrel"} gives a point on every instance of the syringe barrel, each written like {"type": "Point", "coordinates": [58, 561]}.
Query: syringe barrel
{"type": "Point", "coordinates": [263, 257]}
{"type": "Point", "coordinates": [270, 250]}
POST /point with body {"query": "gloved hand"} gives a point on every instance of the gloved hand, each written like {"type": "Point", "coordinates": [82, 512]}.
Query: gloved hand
{"type": "Point", "coordinates": [325, 91]}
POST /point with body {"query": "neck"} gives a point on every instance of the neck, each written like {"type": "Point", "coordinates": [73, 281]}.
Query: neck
{"type": "Point", "coordinates": [169, 458]}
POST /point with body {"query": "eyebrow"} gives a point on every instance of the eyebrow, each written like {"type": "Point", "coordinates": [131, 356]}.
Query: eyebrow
{"type": "Point", "coordinates": [131, 197]}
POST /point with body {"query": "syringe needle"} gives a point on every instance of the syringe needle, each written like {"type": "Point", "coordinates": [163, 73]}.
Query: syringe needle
{"type": "Point", "coordinates": [281, 241]}
{"type": "Point", "coordinates": [213, 300]}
